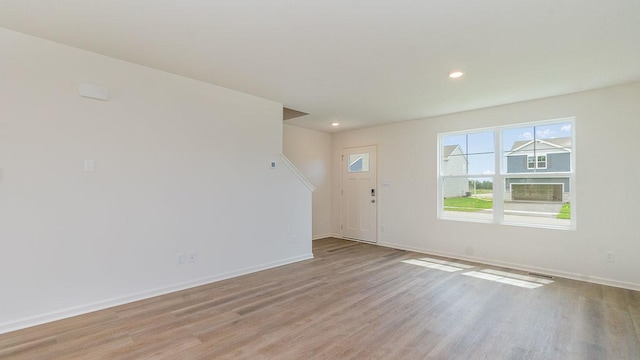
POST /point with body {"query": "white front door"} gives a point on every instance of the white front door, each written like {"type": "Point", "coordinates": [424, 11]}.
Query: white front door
{"type": "Point", "coordinates": [359, 193]}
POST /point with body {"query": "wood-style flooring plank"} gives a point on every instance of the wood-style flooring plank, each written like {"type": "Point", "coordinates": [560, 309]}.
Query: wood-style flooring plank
{"type": "Point", "coordinates": [353, 301]}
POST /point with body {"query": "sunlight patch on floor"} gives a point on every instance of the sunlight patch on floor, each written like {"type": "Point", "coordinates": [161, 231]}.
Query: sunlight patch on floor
{"type": "Point", "coordinates": [503, 277]}
{"type": "Point", "coordinates": [446, 262]}
{"type": "Point", "coordinates": [518, 276]}
{"type": "Point", "coordinates": [437, 264]}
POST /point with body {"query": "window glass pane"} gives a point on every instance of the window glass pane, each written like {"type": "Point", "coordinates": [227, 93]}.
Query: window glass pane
{"type": "Point", "coordinates": [481, 143]}
{"type": "Point", "coordinates": [517, 150]}
{"type": "Point", "coordinates": [453, 141]}
{"type": "Point", "coordinates": [454, 164]}
{"type": "Point", "coordinates": [468, 154]}
{"type": "Point", "coordinates": [358, 162]}
{"type": "Point", "coordinates": [544, 148]}
{"type": "Point", "coordinates": [482, 164]}
{"type": "Point", "coordinates": [537, 200]}
{"type": "Point", "coordinates": [553, 131]}
{"type": "Point", "coordinates": [454, 160]}
{"type": "Point", "coordinates": [468, 198]}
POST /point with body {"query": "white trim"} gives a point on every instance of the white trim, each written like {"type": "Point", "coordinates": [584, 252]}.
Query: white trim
{"type": "Point", "coordinates": [100, 305]}
{"type": "Point", "coordinates": [471, 220]}
{"type": "Point", "coordinates": [321, 236]}
{"type": "Point", "coordinates": [552, 272]}
{"type": "Point", "coordinates": [338, 236]}
{"type": "Point", "coordinates": [297, 172]}
{"type": "Point", "coordinates": [547, 174]}
{"type": "Point", "coordinates": [439, 177]}
{"type": "Point", "coordinates": [360, 241]}
{"type": "Point", "coordinates": [519, 148]}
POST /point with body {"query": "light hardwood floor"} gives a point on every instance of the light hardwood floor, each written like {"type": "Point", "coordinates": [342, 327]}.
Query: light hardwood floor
{"type": "Point", "coordinates": [354, 301]}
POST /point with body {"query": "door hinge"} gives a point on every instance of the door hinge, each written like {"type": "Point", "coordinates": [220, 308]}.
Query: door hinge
{"type": "Point", "coordinates": [342, 157]}
{"type": "Point", "coordinates": [340, 226]}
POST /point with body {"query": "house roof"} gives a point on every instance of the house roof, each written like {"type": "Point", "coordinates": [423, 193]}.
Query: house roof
{"type": "Point", "coordinates": [365, 63]}
{"type": "Point", "coordinates": [563, 143]}
{"type": "Point", "coordinates": [447, 150]}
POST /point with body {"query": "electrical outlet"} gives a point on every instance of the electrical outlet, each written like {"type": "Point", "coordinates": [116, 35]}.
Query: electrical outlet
{"type": "Point", "coordinates": [192, 256]}
{"type": "Point", "coordinates": [180, 258]}
{"type": "Point", "coordinates": [609, 256]}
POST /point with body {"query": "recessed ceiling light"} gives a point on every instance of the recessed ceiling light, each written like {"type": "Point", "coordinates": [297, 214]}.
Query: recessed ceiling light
{"type": "Point", "coordinates": [335, 123]}
{"type": "Point", "coordinates": [455, 74]}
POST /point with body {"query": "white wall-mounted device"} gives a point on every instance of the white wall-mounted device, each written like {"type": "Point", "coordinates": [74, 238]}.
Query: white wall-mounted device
{"type": "Point", "coordinates": [89, 165]}
{"type": "Point", "coordinates": [93, 91]}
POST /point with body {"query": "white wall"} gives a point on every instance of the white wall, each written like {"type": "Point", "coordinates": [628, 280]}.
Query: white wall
{"type": "Point", "coordinates": [607, 129]}
{"type": "Point", "coordinates": [310, 151]}
{"type": "Point", "coordinates": [181, 165]}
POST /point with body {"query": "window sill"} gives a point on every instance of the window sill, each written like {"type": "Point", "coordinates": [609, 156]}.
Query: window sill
{"type": "Point", "coordinates": [552, 224]}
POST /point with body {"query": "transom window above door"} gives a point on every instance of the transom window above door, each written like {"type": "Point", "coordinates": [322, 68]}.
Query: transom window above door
{"type": "Point", "coordinates": [358, 162]}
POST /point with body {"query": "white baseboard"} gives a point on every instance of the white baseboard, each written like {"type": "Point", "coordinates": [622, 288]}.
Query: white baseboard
{"type": "Point", "coordinates": [100, 305]}
{"type": "Point", "coordinates": [324, 236]}
{"type": "Point", "coordinates": [552, 272]}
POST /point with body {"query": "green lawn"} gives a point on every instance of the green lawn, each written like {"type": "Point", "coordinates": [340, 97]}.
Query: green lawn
{"type": "Point", "coordinates": [565, 212]}
{"type": "Point", "coordinates": [481, 191]}
{"type": "Point", "coordinates": [471, 204]}
{"type": "Point", "coordinates": [467, 204]}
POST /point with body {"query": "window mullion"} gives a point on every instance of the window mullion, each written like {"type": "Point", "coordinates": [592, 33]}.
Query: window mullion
{"type": "Point", "coordinates": [498, 179]}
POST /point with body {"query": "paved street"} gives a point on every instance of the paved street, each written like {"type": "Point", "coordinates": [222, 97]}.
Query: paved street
{"type": "Point", "coordinates": [527, 208]}
{"type": "Point", "coordinates": [533, 208]}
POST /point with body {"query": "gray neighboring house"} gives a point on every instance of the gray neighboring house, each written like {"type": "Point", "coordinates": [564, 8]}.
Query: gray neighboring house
{"type": "Point", "coordinates": [539, 155]}
{"type": "Point", "coordinates": [454, 162]}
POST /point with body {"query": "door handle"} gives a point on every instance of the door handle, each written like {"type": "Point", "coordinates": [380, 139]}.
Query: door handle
{"type": "Point", "coordinates": [373, 192]}
{"type": "Point", "coordinates": [373, 201]}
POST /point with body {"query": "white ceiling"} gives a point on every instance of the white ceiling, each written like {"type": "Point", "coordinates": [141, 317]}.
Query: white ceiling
{"type": "Point", "coordinates": [359, 62]}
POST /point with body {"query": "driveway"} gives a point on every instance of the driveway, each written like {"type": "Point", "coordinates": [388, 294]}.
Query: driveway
{"type": "Point", "coordinates": [527, 208]}
{"type": "Point", "coordinates": [531, 208]}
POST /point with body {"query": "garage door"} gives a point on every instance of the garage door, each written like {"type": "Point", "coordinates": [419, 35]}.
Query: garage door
{"type": "Point", "coordinates": [536, 192]}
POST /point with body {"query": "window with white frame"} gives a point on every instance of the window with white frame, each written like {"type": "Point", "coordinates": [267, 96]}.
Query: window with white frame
{"type": "Point", "coordinates": [542, 162]}
{"type": "Point", "coordinates": [531, 162]}
{"type": "Point", "coordinates": [536, 162]}
{"type": "Point", "coordinates": [521, 174]}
